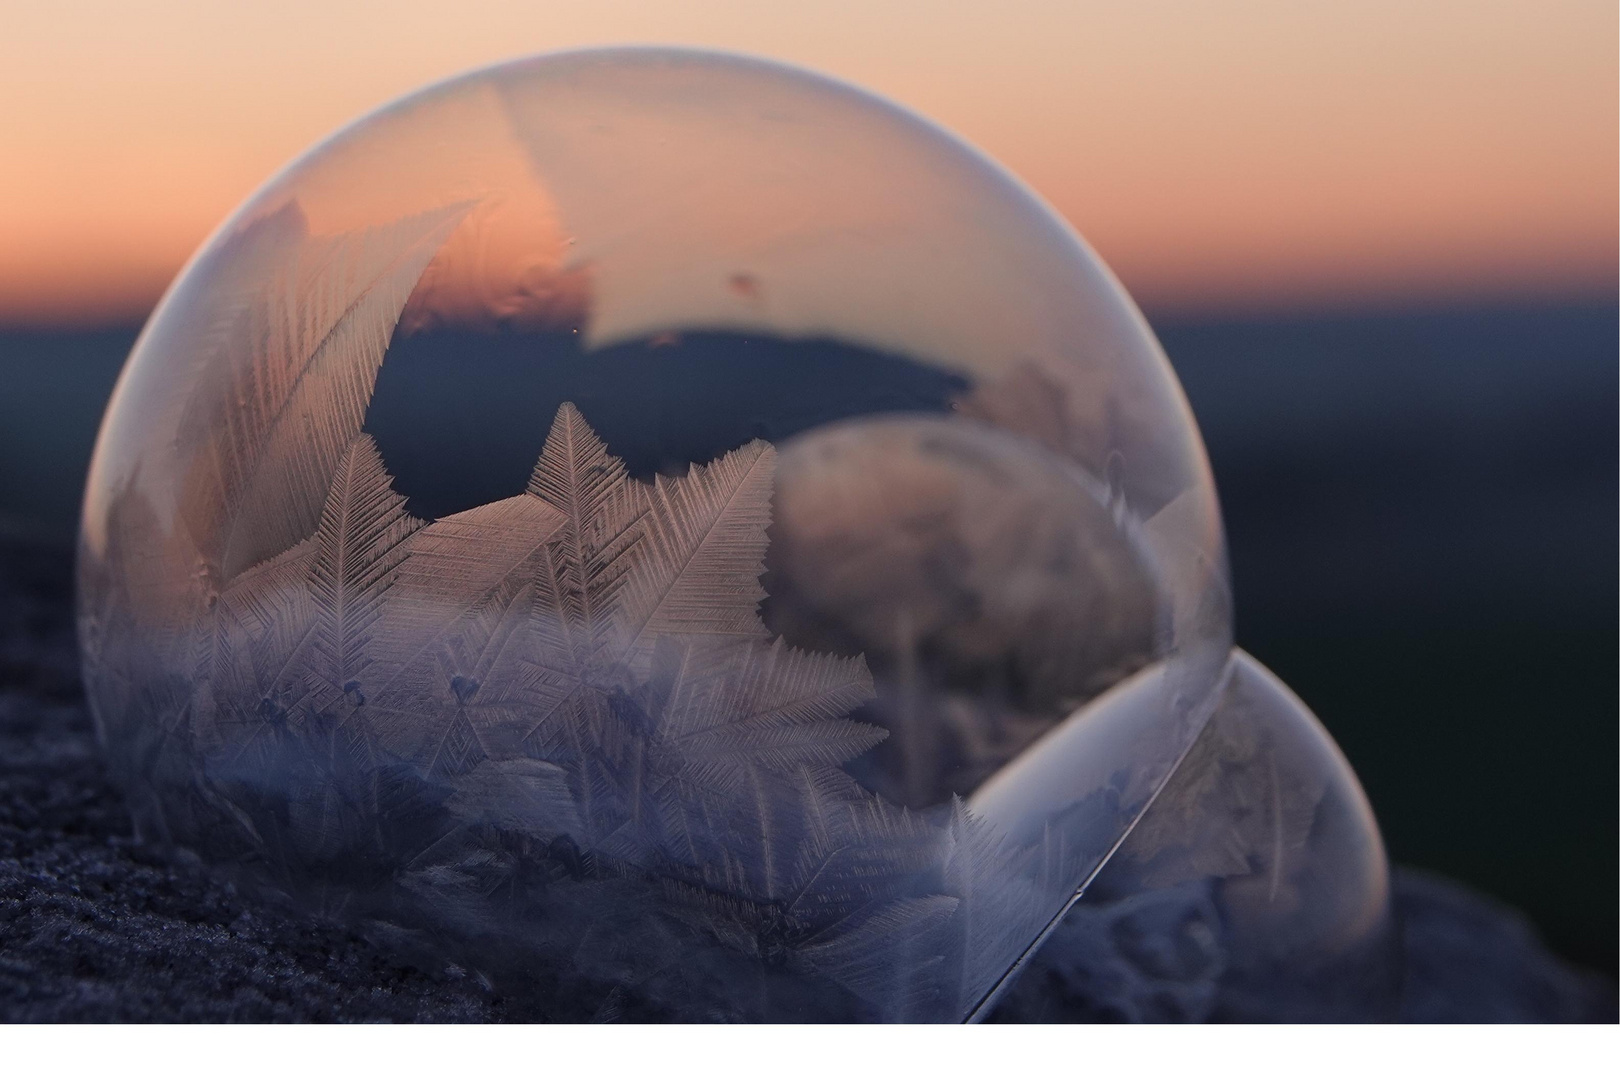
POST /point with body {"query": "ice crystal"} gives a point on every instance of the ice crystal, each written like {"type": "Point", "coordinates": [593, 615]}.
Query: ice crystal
{"type": "Point", "coordinates": [579, 676]}
{"type": "Point", "coordinates": [680, 728]}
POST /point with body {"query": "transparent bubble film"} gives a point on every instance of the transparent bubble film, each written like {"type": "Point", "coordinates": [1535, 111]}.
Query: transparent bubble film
{"type": "Point", "coordinates": [689, 540]}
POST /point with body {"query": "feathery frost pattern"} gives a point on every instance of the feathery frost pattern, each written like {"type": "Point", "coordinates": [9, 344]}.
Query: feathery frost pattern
{"type": "Point", "coordinates": [556, 718]}
{"type": "Point", "coordinates": [573, 686]}
{"type": "Point", "coordinates": [358, 548]}
{"type": "Point", "coordinates": [583, 566]}
{"type": "Point", "coordinates": [298, 356]}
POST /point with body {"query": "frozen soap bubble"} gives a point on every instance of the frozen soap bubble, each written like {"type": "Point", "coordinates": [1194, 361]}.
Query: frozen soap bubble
{"type": "Point", "coordinates": [664, 529]}
{"type": "Point", "coordinates": [1255, 888]}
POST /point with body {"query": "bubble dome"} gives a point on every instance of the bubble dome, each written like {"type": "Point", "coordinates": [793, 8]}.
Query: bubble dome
{"type": "Point", "coordinates": [677, 534]}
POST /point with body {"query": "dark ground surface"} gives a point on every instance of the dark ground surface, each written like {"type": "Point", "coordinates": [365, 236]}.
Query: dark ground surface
{"type": "Point", "coordinates": [93, 927]}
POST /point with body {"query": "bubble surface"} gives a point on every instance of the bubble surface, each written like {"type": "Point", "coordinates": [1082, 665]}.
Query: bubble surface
{"type": "Point", "coordinates": [660, 526]}
{"type": "Point", "coordinates": [1254, 889]}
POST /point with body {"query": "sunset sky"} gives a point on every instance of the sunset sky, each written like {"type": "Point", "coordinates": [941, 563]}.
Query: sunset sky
{"type": "Point", "coordinates": [1251, 155]}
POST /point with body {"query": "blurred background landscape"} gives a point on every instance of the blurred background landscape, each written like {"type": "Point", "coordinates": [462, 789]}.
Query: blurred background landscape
{"type": "Point", "coordinates": [1378, 244]}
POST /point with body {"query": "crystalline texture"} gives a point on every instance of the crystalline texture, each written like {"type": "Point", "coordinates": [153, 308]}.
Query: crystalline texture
{"type": "Point", "coordinates": [829, 720]}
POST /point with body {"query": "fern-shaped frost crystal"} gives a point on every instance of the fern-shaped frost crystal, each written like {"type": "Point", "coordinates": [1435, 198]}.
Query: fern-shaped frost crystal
{"type": "Point", "coordinates": [581, 671]}
{"type": "Point", "coordinates": [300, 332]}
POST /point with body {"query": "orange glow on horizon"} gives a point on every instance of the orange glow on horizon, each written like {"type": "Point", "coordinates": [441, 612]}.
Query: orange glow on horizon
{"type": "Point", "coordinates": [1255, 155]}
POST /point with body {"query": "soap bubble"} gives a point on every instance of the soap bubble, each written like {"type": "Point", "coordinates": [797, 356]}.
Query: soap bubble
{"type": "Point", "coordinates": [668, 530]}
{"type": "Point", "coordinates": [1255, 888]}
